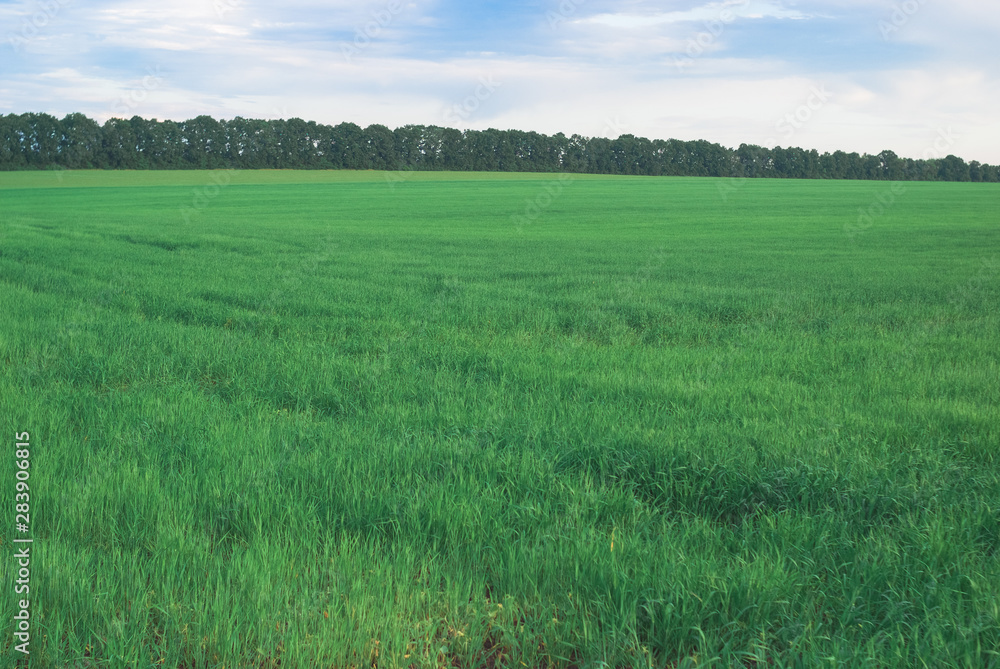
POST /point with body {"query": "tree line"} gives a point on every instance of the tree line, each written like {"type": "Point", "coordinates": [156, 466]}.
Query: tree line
{"type": "Point", "coordinates": [41, 141]}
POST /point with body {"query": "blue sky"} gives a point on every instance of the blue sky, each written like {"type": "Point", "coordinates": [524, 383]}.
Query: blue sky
{"type": "Point", "coordinates": [916, 76]}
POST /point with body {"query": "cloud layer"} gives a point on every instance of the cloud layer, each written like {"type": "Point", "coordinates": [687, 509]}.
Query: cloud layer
{"type": "Point", "coordinates": [829, 74]}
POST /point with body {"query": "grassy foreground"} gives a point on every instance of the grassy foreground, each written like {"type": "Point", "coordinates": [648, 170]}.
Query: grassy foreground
{"type": "Point", "coordinates": [357, 419]}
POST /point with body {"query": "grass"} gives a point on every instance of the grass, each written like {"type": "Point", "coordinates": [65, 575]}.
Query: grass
{"type": "Point", "coordinates": [344, 420]}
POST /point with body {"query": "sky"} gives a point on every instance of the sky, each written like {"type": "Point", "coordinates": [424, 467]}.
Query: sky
{"type": "Point", "coordinates": [919, 77]}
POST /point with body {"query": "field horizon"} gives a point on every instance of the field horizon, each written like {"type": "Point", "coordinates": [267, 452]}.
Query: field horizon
{"type": "Point", "coordinates": [393, 419]}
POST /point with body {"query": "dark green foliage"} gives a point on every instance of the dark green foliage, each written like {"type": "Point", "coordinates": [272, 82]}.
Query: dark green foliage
{"type": "Point", "coordinates": [40, 141]}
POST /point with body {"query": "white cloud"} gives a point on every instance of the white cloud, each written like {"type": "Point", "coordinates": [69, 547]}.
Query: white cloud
{"type": "Point", "coordinates": [253, 61]}
{"type": "Point", "coordinates": [724, 12]}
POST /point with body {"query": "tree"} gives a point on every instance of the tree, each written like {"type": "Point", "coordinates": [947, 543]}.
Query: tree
{"type": "Point", "coordinates": [80, 142]}
{"type": "Point", "coordinates": [753, 161]}
{"type": "Point", "coordinates": [350, 148]}
{"type": "Point", "coordinates": [890, 166]}
{"type": "Point", "coordinates": [975, 171]}
{"type": "Point", "coordinates": [301, 146]}
{"type": "Point", "coordinates": [204, 143]}
{"type": "Point", "coordinates": [600, 157]}
{"type": "Point", "coordinates": [626, 154]}
{"type": "Point", "coordinates": [118, 145]}
{"type": "Point", "coordinates": [454, 154]}
{"type": "Point", "coordinates": [483, 148]}
{"type": "Point", "coordinates": [508, 150]}
{"type": "Point", "coordinates": [39, 141]}
{"type": "Point", "coordinates": [953, 168]}
{"type": "Point", "coordinates": [40, 135]}
{"type": "Point", "coordinates": [407, 144]}
{"type": "Point", "coordinates": [574, 155]}
{"type": "Point", "coordinates": [381, 148]}
{"type": "Point", "coordinates": [13, 142]}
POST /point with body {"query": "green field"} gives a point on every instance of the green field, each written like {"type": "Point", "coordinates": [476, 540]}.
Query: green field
{"type": "Point", "coordinates": [342, 419]}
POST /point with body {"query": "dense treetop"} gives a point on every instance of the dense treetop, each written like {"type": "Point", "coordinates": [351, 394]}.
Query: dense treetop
{"type": "Point", "coordinates": [41, 141]}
